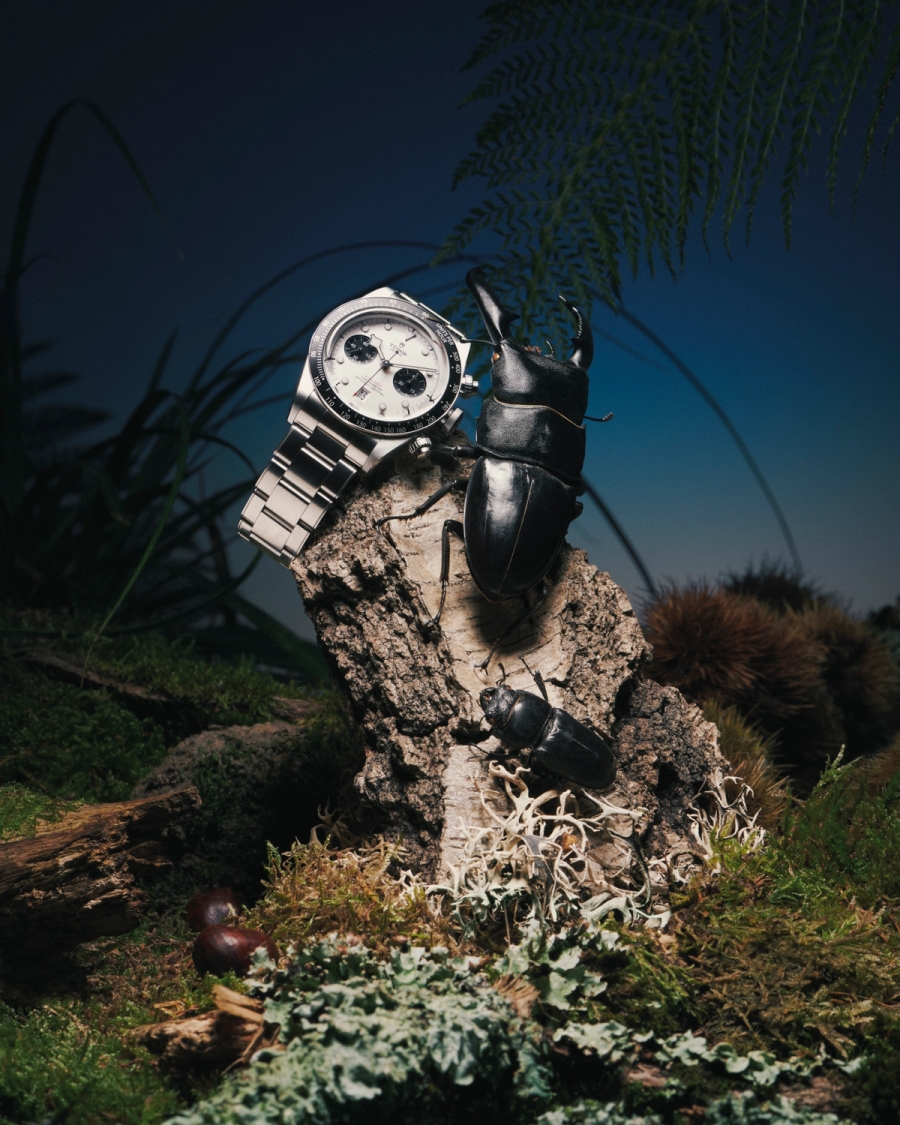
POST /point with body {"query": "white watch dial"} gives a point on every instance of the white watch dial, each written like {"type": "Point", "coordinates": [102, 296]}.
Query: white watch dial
{"type": "Point", "coordinates": [385, 366]}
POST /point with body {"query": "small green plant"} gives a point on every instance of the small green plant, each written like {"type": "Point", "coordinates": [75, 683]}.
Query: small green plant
{"type": "Point", "coordinates": [54, 1067]}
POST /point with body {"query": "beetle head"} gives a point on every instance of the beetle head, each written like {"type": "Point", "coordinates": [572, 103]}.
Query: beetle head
{"type": "Point", "coordinates": [498, 320]}
{"type": "Point", "coordinates": [497, 702]}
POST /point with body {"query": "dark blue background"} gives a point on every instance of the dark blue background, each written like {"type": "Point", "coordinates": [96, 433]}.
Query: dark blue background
{"type": "Point", "coordinates": [271, 130]}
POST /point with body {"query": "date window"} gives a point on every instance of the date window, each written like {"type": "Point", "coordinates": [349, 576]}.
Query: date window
{"type": "Point", "coordinates": [362, 393]}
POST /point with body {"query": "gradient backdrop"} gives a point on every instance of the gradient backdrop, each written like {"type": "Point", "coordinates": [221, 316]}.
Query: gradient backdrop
{"type": "Point", "coordinates": [272, 130]}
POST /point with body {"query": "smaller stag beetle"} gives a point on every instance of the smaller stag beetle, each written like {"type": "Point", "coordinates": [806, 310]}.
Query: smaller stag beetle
{"type": "Point", "coordinates": [559, 743]}
{"type": "Point", "coordinates": [522, 493]}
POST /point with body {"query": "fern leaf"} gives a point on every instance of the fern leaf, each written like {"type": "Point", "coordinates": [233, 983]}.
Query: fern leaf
{"type": "Point", "coordinates": [612, 122]}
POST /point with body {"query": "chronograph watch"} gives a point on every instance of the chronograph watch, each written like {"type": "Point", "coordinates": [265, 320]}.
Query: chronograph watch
{"type": "Point", "coordinates": [383, 372]}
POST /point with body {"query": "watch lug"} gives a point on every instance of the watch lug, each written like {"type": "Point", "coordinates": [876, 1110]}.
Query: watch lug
{"type": "Point", "coordinates": [382, 449]}
{"type": "Point", "coordinates": [304, 389]}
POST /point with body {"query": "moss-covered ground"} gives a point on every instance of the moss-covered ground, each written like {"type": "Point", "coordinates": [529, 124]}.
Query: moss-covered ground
{"type": "Point", "coordinates": [791, 951]}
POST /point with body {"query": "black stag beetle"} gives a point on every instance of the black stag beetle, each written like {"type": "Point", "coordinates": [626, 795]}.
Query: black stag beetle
{"type": "Point", "coordinates": [559, 743]}
{"type": "Point", "coordinates": [522, 493]}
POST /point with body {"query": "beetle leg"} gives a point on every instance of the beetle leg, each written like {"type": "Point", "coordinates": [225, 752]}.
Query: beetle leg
{"type": "Point", "coordinates": [457, 450]}
{"type": "Point", "coordinates": [520, 620]}
{"type": "Point", "coordinates": [426, 504]}
{"type": "Point", "coordinates": [457, 528]}
{"type": "Point", "coordinates": [538, 679]}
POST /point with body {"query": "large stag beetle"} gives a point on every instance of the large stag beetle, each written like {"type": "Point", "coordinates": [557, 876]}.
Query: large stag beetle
{"type": "Point", "coordinates": [522, 493]}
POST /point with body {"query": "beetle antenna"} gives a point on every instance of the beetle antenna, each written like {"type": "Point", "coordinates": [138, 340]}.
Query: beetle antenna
{"type": "Point", "coordinates": [605, 418]}
{"type": "Point", "coordinates": [503, 670]}
{"type": "Point", "coordinates": [550, 346]}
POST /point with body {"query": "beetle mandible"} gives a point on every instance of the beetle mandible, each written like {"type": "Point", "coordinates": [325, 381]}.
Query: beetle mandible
{"type": "Point", "coordinates": [522, 493]}
{"type": "Point", "coordinates": [559, 743]}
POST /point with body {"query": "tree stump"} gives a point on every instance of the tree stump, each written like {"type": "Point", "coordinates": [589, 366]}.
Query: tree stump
{"type": "Point", "coordinates": [414, 691]}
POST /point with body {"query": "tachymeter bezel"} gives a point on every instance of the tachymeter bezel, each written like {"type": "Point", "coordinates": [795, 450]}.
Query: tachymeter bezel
{"type": "Point", "coordinates": [371, 425]}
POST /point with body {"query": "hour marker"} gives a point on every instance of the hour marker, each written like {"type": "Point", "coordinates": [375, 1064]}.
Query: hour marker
{"type": "Point", "coordinates": [344, 382]}
{"type": "Point", "coordinates": [382, 406]}
{"type": "Point", "coordinates": [340, 359]}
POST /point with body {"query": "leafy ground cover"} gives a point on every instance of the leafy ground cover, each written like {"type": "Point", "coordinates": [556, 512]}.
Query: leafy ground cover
{"type": "Point", "coordinates": [773, 994]}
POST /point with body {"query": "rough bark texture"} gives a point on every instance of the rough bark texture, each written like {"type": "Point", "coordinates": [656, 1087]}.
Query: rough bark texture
{"type": "Point", "coordinates": [415, 692]}
{"type": "Point", "coordinates": [75, 880]}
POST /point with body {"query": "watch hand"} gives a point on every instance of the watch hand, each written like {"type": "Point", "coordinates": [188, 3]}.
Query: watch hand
{"type": "Point", "coordinates": [359, 390]}
{"type": "Point", "coordinates": [383, 367]}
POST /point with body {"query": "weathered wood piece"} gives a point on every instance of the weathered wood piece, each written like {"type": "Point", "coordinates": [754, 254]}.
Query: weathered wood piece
{"type": "Point", "coordinates": [371, 597]}
{"type": "Point", "coordinates": [228, 1034]}
{"type": "Point", "coordinates": [75, 880]}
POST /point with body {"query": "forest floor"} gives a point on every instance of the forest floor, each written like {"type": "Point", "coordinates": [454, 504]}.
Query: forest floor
{"type": "Point", "coordinates": [773, 993]}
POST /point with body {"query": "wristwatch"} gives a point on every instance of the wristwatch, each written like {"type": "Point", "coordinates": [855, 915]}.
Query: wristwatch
{"type": "Point", "coordinates": [381, 370]}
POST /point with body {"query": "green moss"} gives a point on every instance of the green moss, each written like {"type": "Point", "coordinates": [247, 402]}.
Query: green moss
{"type": "Point", "coordinates": [849, 836]}
{"type": "Point", "coordinates": [782, 960]}
{"type": "Point", "coordinates": [222, 692]}
{"type": "Point", "coordinates": [313, 891]}
{"type": "Point", "coordinates": [70, 743]}
{"type": "Point", "coordinates": [872, 1094]}
{"type": "Point", "coordinates": [21, 809]}
{"type": "Point", "coordinates": [54, 1067]}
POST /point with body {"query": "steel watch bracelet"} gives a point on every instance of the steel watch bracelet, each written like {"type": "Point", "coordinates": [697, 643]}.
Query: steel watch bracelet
{"type": "Point", "coordinates": [307, 473]}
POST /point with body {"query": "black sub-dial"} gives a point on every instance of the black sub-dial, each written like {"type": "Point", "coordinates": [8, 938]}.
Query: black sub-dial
{"type": "Point", "coordinates": [410, 382]}
{"type": "Point", "coordinates": [361, 349]}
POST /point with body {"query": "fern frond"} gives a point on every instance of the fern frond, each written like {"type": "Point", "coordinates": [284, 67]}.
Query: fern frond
{"type": "Point", "coordinates": [613, 121]}
{"type": "Point", "coordinates": [892, 67]}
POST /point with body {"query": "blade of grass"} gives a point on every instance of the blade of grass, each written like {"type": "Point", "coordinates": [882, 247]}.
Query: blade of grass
{"type": "Point", "coordinates": [12, 454]}
{"type": "Point", "coordinates": [621, 535]}
{"type": "Point", "coordinates": [148, 550]}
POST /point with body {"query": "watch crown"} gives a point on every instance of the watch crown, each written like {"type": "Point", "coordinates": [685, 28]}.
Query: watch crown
{"type": "Point", "coordinates": [419, 446]}
{"type": "Point", "coordinates": [468, 387]}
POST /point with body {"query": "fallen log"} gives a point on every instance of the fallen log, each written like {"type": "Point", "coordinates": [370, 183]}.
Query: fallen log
{"type": "Point", "coordinates": [75, 879]}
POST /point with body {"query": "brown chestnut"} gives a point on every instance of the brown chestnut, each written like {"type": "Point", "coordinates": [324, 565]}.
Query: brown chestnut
{"type": "Point", "coordinates": [218, 907]}
{"type": "Point", "coordinates": [219, 949]}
